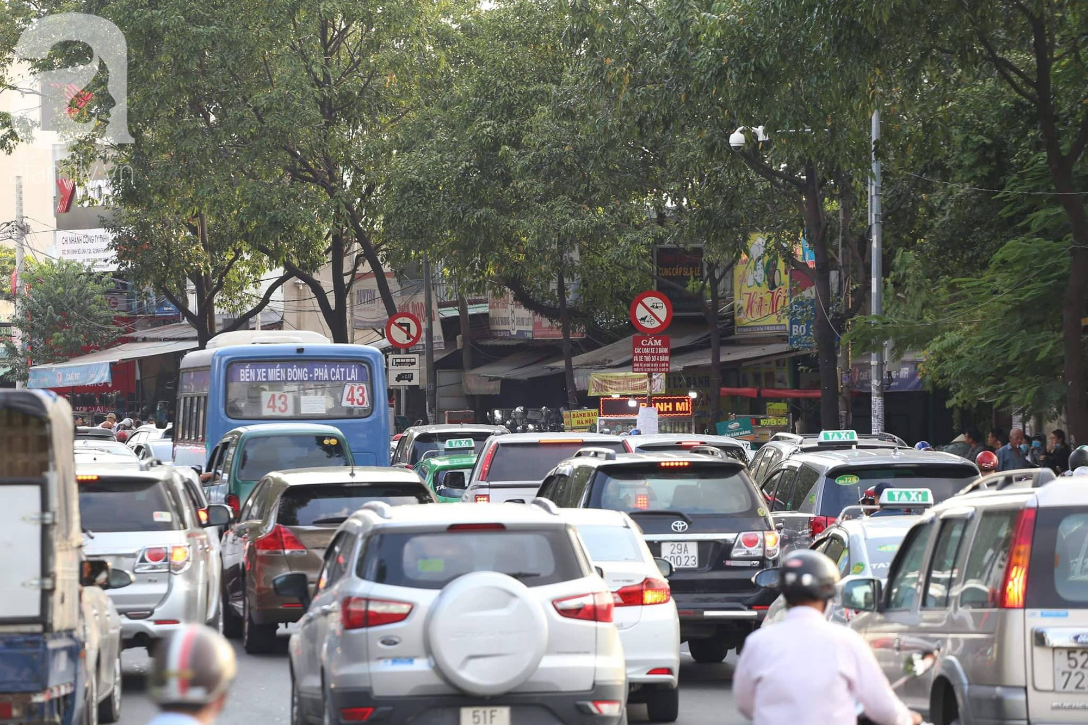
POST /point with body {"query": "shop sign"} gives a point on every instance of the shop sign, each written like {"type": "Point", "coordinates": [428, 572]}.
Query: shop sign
{"type": "Point", "coordinates": [668, 406]}
{"type": "Point", "coordinates": [580, 419]}
{"type": "Point", "coordinates": [623, 384]}
{"type": "Point", "coordinates": [679, 266]}
{"type": "Point", "coordinates": [761, 302]}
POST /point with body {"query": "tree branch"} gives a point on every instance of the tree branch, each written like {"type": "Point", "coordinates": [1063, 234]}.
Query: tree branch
{"type": "Point", "coordinates": [243, 321]}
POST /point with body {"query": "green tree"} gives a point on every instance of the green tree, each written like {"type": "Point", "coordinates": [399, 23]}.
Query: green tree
{"type": "Point", "coordinates": [62, 312]}
{"type": "Point", "coordinates": [7, 266]}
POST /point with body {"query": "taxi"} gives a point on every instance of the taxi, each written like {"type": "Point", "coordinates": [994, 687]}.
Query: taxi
{"type": "Point", "coordinates": [863, 542]}
{"type": "Point", "coordinates": [446, 472]}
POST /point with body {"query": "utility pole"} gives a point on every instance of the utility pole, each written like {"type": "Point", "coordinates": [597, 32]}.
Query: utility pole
{"type": "Point", "coordinates": [428, 338]}
{"type": "Point", "coordinates": [876, 365]}
{"type": "Point", "coordinates": [20, 242]}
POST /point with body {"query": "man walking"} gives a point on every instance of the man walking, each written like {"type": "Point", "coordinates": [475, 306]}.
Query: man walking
{"type": "Point", "coordinates": [1011, 456]}
{"type": "Point", "coordinates": [974, 440]}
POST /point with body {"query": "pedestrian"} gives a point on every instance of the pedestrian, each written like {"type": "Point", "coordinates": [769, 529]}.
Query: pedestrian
{"type": "Point", "coordinates": [1057, 452]}
{"type": "Point", "coordinates": [191, 675]}
{"type": "Point", "coordinates": [79, 421]}
{"type": "Point", "coordinates": [805, 670]}
{"type": "Point", "coordinates": [1011, 456]}
{"type": "Point", "coordinates": [974, 439]}
{"type": "Point", "coordinates": [996, 439]}
{"type": "Point", "coordinates": [1036, 454]}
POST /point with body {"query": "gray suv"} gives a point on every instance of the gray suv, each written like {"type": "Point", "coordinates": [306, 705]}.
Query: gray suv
{"type": "Point", "coordinates": [456, 613]}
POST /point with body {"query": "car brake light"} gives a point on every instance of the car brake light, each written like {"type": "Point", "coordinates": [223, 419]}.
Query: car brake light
{"type": "Point", "coordinates": [554, 441]}
{"type": "Point", "coordinates": [1016, 571]}
{"type": "Point", "coordinates": [154, 555]}
{"type": "Point", "coordinates": [596, 607]}
{"type": "Point", "coordinates": [642, 501]}
{"type": "Point", "coordinates": [674, 464]}
{"type": "Point", "coordinates": [748, 545]}
{"type": "Point", "coordinates": [202, 514]}
{"type": "Point", "coordinates": [485, 467]}
{"type": "Point", "coordinates": [235, 505]}
{"type": "Point", "coordinates": [750, 540]}
{"type": "Point", "coordinates": [279, 540]}
{"type": "Point", "coordinates": [627, 445]}
{"type": "Point", "coordinates": [650, 591]}
{"type": "Point", "coordinates": [660, 671]}
{"type": "Point", "coordinates": [85, 478]}
{"type": "Point", "coordinates": [817, 524]}
{"type": "Point", "coordinates": [689, 444]}
{"type": "Point", "coordinates": [476, 527]}
{"type": "Point", "coordinates": [482, 498]}
{"type": "Point", "coordinates": [771, 541]}
{"type": "Point", "coordinates": [356, 714]}
{"type": "Point", "coordinates": [409, 466]}
{"type": "Point", "coordinates": [360, 612]}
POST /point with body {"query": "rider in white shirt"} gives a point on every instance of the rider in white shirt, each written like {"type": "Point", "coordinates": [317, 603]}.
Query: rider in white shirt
{"type": "Point", "coordinates": [190, 676]}
{"type": "Point", "coordinates": [805, 670]}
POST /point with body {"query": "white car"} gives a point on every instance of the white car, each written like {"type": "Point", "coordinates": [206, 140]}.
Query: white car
{"type": "Point", "coordinates": [645, 613]}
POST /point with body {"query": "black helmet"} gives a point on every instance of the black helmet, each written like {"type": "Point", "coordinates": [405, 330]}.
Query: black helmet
{"type": "Point", "coordinates": [1078, 458]}
{"type": "Point", "coordinates": [807, 575]}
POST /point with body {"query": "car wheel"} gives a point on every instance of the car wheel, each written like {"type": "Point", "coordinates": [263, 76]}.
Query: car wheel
{"type": "Point", "coordinates": [257, 639]}
{"type": "Point", "coordinates": [297, 718]}
{"type": "Point", "coordinates": [110, 709]}
{"type": "Point", "coordinates": [663, 705]}
{"type": "Point", "coordinates": [232, 623]}
{"type": "Point", "coordinates": [708, 651]}
{"type": "Point", "coordinates": [90, 706]}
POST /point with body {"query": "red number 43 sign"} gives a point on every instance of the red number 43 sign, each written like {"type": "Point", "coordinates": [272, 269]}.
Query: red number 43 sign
{"type": "Point", "coordinates": [355, 396]}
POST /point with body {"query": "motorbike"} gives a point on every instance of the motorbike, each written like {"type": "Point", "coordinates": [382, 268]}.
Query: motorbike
{"type": "Point", "coordinates": [916, 665]}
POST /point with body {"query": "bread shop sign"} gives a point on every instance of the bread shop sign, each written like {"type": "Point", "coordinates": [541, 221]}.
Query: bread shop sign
{"type": "Point", "coordinates": [668, 406]}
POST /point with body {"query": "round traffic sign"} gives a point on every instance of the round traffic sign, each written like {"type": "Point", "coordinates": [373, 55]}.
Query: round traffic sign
{"type": "Point", "coordinates": [651, 312]}
{"type": "Point", "coordinates": [403, 330]}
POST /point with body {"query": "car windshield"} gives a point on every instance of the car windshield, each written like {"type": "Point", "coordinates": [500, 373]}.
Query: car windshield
{"type": "Point", "coordinates": [332, 502]}
{"type": "Point", "coordinates": [532, 461]}
{"type": "Point", "coordinates": [93, 446]}
{"type": "Point", "coordinates": [611, 543]}
{"type": "Point", "coordinates": [844, 486]}
{"type": "Point", "coordinates": [126, 505]}
{"type": "Point", "coordinates": [286, 452]}
{"type": "Point", "coordinates": [425, 442]}
{"type": "Point", "coordinates": [433, 560]}
{"type": "Point", "coordinates": [717, 490]}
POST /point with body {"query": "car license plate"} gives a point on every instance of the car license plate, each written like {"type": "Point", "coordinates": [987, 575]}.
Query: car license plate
{"type": "Point", "coordinates": [681, 554]}
{"type": "Point", "coordinates": [485, 716]}
{"type": "Point", "coordinates": [1071, 670]}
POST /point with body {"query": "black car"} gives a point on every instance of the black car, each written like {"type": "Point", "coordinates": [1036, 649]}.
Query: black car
{"type": "Point", "coordinates": [704, 515]}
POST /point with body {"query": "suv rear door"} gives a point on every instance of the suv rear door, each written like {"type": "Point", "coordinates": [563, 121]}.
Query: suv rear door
{"type": "Point", "coordinates": [516, 468]}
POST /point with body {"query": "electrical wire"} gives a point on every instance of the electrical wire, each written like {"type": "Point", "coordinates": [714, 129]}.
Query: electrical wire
{"type": "Point", "coordinates": [968, 187]}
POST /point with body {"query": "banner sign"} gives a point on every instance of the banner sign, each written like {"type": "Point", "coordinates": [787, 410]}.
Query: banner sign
{"type": "Point", "coordinates": [650, 353]}
{"type": "Point", "coordinates": [679, 266]}
{"type": "Point", "coordinates": [668, 406]}
{"type": "Point", "coordinates": [760, 289]}
{"type": "Point", "coordinates": [579, 419]}
{"type": "Point", "coordinates": [297, 372]}
{"type": "Point", "coordinates": [623, 384]}
{"type": "Point", "coordinates": [506, 318]}
{"type": "Point", "coordinates": [87, 246]}
{"type": "Point", "coordinates": [802, 310]}
{"type": "Point", "coordinates": [737, 428]}
{"type": "Point", "coordinates": [69, 376]}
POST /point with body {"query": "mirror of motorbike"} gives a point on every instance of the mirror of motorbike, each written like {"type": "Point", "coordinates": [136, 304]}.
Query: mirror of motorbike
{"type": "Point", "coordinates": [918, 663]}
{"type": "Point", "coordinates": [119, 578]}
{"type": "Point", "coordinates": [293, 585]}
{"type": "Point", "coordinates": [218, 515]}
{"type": "Point", "coordinates": [863, 595]}
{"type": "Point", "coordinates": [665, 567]}
{"type": "Point", "coordinates": [94, 573]}
{"type": "Point", "coordinates": [767, 579]}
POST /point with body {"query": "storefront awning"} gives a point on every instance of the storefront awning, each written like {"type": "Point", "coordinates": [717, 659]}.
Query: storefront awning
{"type": "Point", "coordinates": [94, 368]}
{"type": "Point", "coordinates": [487, 379]}
{"type": "Point", "coordinates": [731, 354]}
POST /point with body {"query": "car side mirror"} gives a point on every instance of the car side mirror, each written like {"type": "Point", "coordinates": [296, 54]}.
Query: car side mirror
{"type": "Point", "coordinates": [600, 571]}
{"type": "Point", "coordinates": [665, 567]}
{"type": "Point", "coordinates": [94, 573]}
{"type": "Point", "coordinates": [119, 578]}
{"type": "Point", "coordinates": [864, 595]}
{"type": "Point", "coordinates": [294, 585]}
{"type": "Point", "coordinates": [218, 515]}
{"type": "Point", "coordinates": [767, 579]}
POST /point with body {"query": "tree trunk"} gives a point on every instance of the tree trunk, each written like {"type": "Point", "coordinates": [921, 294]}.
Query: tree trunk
{"type": "Point", "coordinates": [568, 358]}
{"type": "Point", "coordinates": [823, 330]}
{"type": "Point", "coordinates": [337, 320]}
{"type": "Point", "coordinates": [711, 314]}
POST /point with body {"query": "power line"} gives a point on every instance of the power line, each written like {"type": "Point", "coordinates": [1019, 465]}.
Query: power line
{"type": "Point", "coordinates": [968, 187]}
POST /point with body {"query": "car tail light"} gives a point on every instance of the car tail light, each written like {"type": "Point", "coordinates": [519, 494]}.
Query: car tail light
{"type": "Point", "coordinates": [165, 622]}
{"type": "Point", "coordinates": [596, 607]}
{"type": "Point", "coordinates": [356, 714]}
{"type": "Point", "coordinates": [280, 540]}
{"type": "Point", "coordinates": [1016, 571]}
{"type": "Point", "coordinates": [235, 505]}
{"type": "Point", "coordinates": [817, 524]}
{"type": "Point", "coordinates": [85, 478]}
{"type": "Point", "coordinates": [690, 444]}
{"type": "Point", "coordinates": [674, 464]}
{"type": "Point", "coordinates": [606, 707]}
{"type": "Point", "coordinates": [560, 441]}
{"type": "Point", "coordinates": [650, 591]}
{"type": "Point", "coordinates": [360, 612]}
{"type": "Point", "coordinates": [163, 558]}
{"type": "Point", "coordinates": [179, 559]}
{"type": "Point", "coordinates": [748, 545]}
{"type": "Point", "coordinates": [476, 527]}
{"type": "Point", "coordinates": [660, 671]}
{"type": "Point", "coordinates": [482, 498]}
{"type": "Point", "coordinates": [771, 541]}
{"type": "Point", "coordinates": [627, 445]}
{"type": "Point", "coordinates": [485, 467]}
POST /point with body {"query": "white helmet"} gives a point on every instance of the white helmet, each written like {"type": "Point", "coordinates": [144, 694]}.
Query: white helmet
{"type": "Point", "coordinates": [196, 666]}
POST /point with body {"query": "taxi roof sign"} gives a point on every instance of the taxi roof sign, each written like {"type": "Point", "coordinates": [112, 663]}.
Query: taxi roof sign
{"type": "Point", "coordinates": [838, 436]}
{"type": "Point", "coordinates": [906, 497]}
{"type": "Point", "coordinates": [459, 443]}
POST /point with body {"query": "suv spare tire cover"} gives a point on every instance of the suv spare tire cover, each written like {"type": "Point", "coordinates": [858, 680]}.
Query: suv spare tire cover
{"type": "Point", "coordinates": [487, 633]}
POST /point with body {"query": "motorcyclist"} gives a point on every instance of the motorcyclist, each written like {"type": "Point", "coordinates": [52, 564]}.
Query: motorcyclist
{"type": "Point", "coordinates": [190, 676]}
{"type": "Point", "coordinates": [807, 671]}
{"type": "Point", "coordinates": [1077, 459]}
{"type": "Point", "coordinates": [986, 462]}
{"type": "Point", "coordinates": [923, 446]}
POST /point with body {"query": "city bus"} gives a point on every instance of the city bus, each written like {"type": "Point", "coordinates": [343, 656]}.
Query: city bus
{"type": "Point", "coordinates": [272, 381]}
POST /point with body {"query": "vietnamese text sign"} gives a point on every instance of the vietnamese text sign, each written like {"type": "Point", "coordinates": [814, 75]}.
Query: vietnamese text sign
{"type": "Point", "coordinates": [650, 353]}
{"type": "Point", "coordinates": [646, 422]}
{"type": "Point", "coordinates": [736, 428]}
{"type": "Point", "coordinates": [669, 406]}
{"type": "Point", "coordinates": [580, 419]}
{"type": "Point", "coordinates": [802, 310]}
{"type": "Point", "coordinates": [760, 289]}
{"type": "Point", "coordinates": [680, 266]}
{"type": "Point", "coordinates": [297, 372]}
{"type": "Point", "coordinates": [623, 384]}
{"type": "Point", "coordinates": [87, 246]}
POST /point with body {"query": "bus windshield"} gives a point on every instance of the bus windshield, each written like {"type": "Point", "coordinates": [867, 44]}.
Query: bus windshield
{"type": "Point", "coordinates": [298, 390]}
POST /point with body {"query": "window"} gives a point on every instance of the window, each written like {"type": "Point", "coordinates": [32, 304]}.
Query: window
{"type": "Point", "coordinates": [263, 454]}
{"type": "Point", "coordinates": [943, 567]}
{"type": "Point", "coordinates": [336, 560]}
{"type": "Point", "coordinates": [249, 507]}
{"type": "Point", "coordinates": [577, 489]}
{"type": "Point", "coordinates": [214, 460]}
{"type": "Point", "coordinates": [400, 455]}
{"type": "Point", "coordinates": [201, 417]}
{"type": "Point", "coordinates": [127, 505]}
{"type": "Point", "coordinates": [755, 466]}
{"type": "Point", "coordinates": [1058, 575]}
{"type": "Point", "coordinates": [532, 461]}
{"type": "Point", "coordinates": [300, 390]}
{"type": "Point", "coordinates": [845, 485]}
{"type": "Point", "coordinates": [332, 503]}
{"type": "Point", "coordinates": [716, 490]}
{"type": "Point", "coordinates": [985, 568]}
{"type": "Point", "coordinates": [903, 583]}
{"type": "Point", "coordinates": [777, 484]}
{"type": "Point", "coordinates": [782, 492]}
{"type": "Point", "coordinates": [611, 543]}
{"type": "Point", "coordinates": [836, 551]}
{"type": "Point", "coordinates": [803, 497]}
{"type": "Point", "coordinates": [228, 460]}
{"type": "Point", "coordinates": [425, 442]}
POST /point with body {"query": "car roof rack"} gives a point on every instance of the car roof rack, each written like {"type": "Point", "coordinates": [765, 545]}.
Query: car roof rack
{"type": "Point", "coordinates": [602, 453]}
{"type": "Point", "coordinates": [545, 503]}
{"type": "Point", "coordinates": [1020, 478]}
{"type": "Point", "coordinates": [381, 508]}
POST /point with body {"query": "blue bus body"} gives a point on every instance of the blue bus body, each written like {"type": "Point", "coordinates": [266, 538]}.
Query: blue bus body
{"type": "Point", "coordinates": [335, 384]}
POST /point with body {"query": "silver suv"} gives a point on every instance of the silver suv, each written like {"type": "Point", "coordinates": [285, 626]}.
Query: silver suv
{"type": "Point", "coordinates": [995, 581]}
{"type": "Point", "coordinates": [456, 613]}
{"type": "Point", "coordinates": [145, 523]}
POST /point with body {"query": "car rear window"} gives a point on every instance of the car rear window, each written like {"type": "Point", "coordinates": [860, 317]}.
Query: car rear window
{"type": "Point", "coordinates": [332, 503]}
{"type": "Point", "coordinates": [110, 447]}
{"type": "Point", "coordinates": [611, 543]}
{"type": "Point", "coordinates": [1058, 573]}
{"type": "Point", "coordinates": [126, 505]}
{"type": "Point", "coordinates": [843, 487]}
{"type": "Point", "coordinates": [437, 441]}
{"type": "Point", "coordinates": [434, 559]}
{"type": "Point", "coordinates": [734, 452]}
{"type": "Point", "coordinates": [283, 453]}
{"type": "Point", "coordinates": [717, 490]}
{"type": "Point", "coordinates": [532, 461]}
